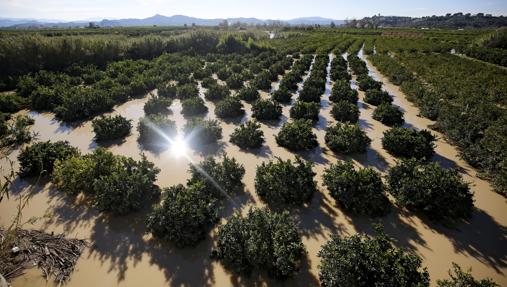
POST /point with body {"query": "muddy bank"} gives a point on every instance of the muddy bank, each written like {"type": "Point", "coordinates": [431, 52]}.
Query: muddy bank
{"type": "Point", "coordinates": [122, 254]}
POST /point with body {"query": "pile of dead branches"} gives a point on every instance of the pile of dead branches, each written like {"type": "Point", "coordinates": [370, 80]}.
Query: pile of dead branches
{"type": "Point", "coordinates": [55, 255]}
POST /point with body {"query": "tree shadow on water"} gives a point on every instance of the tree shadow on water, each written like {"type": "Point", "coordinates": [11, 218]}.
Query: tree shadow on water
{"type": "Point", "coordinates": [260, 278]}
{"type": "Point", "coordinates": [480, 237]}
{"type": "Point", "coordinates": [397, 224]}
{"type": "Point", "coordinates": [123, 241]}
{"type": "Point", "coordinates": [318, 218]}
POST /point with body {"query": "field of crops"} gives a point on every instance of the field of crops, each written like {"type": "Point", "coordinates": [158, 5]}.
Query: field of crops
{"type": "Point", "coordinates": [196, 156]}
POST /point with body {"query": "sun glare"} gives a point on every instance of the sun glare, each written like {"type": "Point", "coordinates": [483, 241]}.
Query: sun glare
{"type": "Point", "coordinates": [179, 147]}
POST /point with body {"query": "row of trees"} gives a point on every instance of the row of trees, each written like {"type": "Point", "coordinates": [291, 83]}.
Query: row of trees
{"type": "Point", "coordinates": [22, 54]}
{"type": "Point", "coordinates": [463, 96]}
{"type": "Point", "coordinates": [439, 193]}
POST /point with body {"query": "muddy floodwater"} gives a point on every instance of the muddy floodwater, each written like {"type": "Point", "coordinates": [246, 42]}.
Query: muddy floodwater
{"type": "Point", "coordinates": [121, 253]}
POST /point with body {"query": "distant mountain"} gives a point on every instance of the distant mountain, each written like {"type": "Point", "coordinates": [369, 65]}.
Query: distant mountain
{"type": "Point", "coordinates": [314, 21]}
{"type": "Point", "coordinates": [161, 20]}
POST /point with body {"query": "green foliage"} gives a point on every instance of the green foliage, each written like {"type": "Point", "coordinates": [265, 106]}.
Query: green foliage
{"type": "Point", "coordinates": [248, 135]}
{"type": "Point", "coordinates": [74, 175]}
{"type": "Point", "coordinates": [359, 191]}
{"type": "Point", "coordinates": [218, 177]}
{"type": "Point", "coordinates": [266, 110]}
{"type": "Point", "coordinates": [116, 184]}
{"type": "Point", "coordinates": [282, 95]}
{"type": "Point", "coordinates": [297, 135]}
{"type": "Point", "coordinates": [11, 103]}
{"type": "Point", "coordinates": [217, 93]}
{"type": "Point", "coordinates": [285, 183]}
{"type": "Point", "coordinates": [345, 111]}
{"type": "Point", "coordinates": [407, 143]}
{"type": "Point", "coordinates": [249, 93]}
{"type": "Point", "coordinates": [187, 91]}
{"type": "Point", "coordinates": [203, 131]}
{"type": "Point", "coordinates": [439, 193]}
{"type": "Point", "coordinates": [167, 91]}
{"type": "Point", "coordinates": [262, 81]}
{"type": "Point", "coordinates": [346, 138]}
{"type": "Point", "coordinates": [464, 278]}
{"type": "Point", "coordinates": [377, 97]}
{"type": "Point", "coordinates": [359, 261]}
{"type": "Point", "coordinates": [357, 65]}
{"type": "Point", "coordinates": [157, 105]}
{"type": "Point", "coordinates": [235, 81]}
{"type": "Point", "coordinates": [389, 115]}
{"type": "Point", "coordinates": [342, 91]}
{"type": "Point", "coordinates": [262, 240]}
{"type": "Point", "coordinates": [305, 110]}
{"type": "Point", "coordinates": [185, 215]}
{"type": "Point", "coordinates": [111, 127]}
{"type": "Point", "coordinates": [193, 106]}
{"type": "Point", "coordinates": [367, 83]}
{"type": "Point", "coordinates": [339, 70]}
{"type": "Point", "coordinates": [17, 131]}
{"type": "Point", "coordinates": [151, 127]}
{"type": "Point", "coordinates": [39, 158]}
{"type": "Point", "coordinates": [230, 107]}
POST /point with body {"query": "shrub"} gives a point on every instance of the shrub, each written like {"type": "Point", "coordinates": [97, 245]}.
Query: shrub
{"type": "Point", "coordinates": [310, 94]}
{"type": "Point", "coordinates": [377, 97]}
{"type": "Point", "coordinates": [235, 81]}
{"type": "Point", "coordinates": [217, 93]}
{"type": "Point", "coordinates": [74, 175]}
{"type": "Point", "coordinates": [282, 95]}
{"type": "Point", "coordinates": [208, 82]}
{"type": "Point", "coordinates": [346, 138]}
{"type": "Point", "coordinates": [367, 83]}
{"type": "Point", "coordinates": [230, 107]}
{"type": "Point", "coordinates": [285, 183]}
{"type": "Point", "coordinates": [369, 261]}
{"type": "Point", "coordinates": [437, 192]}
{"type": "Point", "coordinates": [111, 127]}
{"type": "Point", "coordinates": [167, 91]}
{"type": "Point", "coordinates": [249, 93]}
{"type": "Point", "coordinates": [151, 127]}
{"type": "Point", "coordinates": [266, 110]}
{"type": "Point", "coordinates": [226, 176]}
{"type": "Point", "coordinates": [193, 107]}
{"type": "Point", "coordinates": [262, 240]}
{"type": "Point", "coordinates": [11, 103]}
{"type": "Point", "coordinates": [204, 131]}
{"type": "Point", "coordinates": [17, 131]}
{"type": "Point", "coordinates": [126, 188]}
{"type": "Point", "coordinates": [223, 74]}
{"type": "Point", "coordinates": [185, 215]}
{"type": "Point", "coordinates": [305, 110]}
{"type": "Point", "coordinates": [39, 158]}
{"type": "Point", "coordinates": [407, 143]}
{"type": "Point", "coordinates": [342, 91]}
{"type": "Point", "coordinates": [359, 191]}
{"type": "Point", "coordinates": [465, 279]}
{"type": "Point", "coordinates": [297, 135]}
{"type": "Point", "coordinates": [187, 91]}
{"type": "Point", "coordinates": [345, 111]}
{"type": "Point", "coordinates": [262, 81]}
{"type": "Point", "coordinates": [248, 135]}
{"type": "Point", "coordinates": [157, 105]}
{"type": "Point", "coordinates": [389, 115]}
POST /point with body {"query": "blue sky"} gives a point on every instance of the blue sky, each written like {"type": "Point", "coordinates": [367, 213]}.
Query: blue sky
{"type": "Point", "coordinates": [264, 9]}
